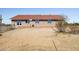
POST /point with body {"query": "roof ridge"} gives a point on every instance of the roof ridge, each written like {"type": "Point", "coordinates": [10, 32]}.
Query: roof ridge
{"type": "Point", "coordinates": [37, 14]}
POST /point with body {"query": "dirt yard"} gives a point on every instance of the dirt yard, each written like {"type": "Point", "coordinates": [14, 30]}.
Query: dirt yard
{"type": "Point", "coordinates": [38, 39]}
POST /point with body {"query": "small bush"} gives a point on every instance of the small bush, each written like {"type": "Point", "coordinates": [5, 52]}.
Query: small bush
{"type": "Point", "coordinates": [0, 34]}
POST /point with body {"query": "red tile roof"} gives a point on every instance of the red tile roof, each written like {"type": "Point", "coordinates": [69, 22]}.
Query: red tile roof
{"type": "Point", "coordinates": [35, 17]}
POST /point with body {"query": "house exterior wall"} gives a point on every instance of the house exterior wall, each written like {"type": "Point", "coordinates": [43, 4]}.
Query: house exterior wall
{"type": "Point", "coordinates": [40, 24]}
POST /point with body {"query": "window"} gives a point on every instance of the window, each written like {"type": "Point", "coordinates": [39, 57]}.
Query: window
{"type": "Point", "coordinates": [49, 21]}
{"type": "Point", "coordinates": [36, 21]}
{"type": "Point", "coordinates": [27, 21]}
{"type": "Point", "coordinates": [19, 23]}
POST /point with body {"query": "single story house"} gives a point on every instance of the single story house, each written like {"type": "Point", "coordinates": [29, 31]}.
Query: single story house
{"type": "Point", "coordinates": [25, 21]}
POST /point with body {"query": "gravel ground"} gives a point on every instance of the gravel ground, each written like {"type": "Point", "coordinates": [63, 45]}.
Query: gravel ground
{"type": "Point", "coordinates": [38, 39]}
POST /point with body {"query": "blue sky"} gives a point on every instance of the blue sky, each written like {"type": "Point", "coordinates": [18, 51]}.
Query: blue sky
{"type": "Point", "coordinates": [72, 13]}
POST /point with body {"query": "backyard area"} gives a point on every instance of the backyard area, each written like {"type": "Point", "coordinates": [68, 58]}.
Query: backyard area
{"type": "Point", "coordinates": [38, 39]}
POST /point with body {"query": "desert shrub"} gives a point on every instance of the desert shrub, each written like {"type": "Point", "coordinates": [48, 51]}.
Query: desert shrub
{"type": "Point", "coordinates": [74, 29]}
{"type": "Point", "coordinates": [0, 34]}
{"type": "Point", "coordinates": [60, 26]}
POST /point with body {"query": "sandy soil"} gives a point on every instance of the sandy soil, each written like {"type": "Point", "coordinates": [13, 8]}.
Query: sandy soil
{"type": "Point", "coordinates": [38, 39]}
